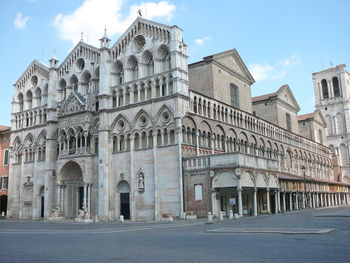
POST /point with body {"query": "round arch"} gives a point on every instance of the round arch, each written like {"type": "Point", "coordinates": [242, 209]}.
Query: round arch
{"type": "Point", "coordinates": [225, 179]}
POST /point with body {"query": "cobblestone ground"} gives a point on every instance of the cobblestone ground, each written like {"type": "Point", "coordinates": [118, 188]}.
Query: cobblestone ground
{"type": "Point", "coordinates": [181, 241]}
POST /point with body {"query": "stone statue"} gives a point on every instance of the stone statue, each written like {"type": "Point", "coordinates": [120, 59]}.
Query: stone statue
{"type": "Point", "coordinates": [56, 212]}
{"type": "Point", "coordinates": [141, 182]}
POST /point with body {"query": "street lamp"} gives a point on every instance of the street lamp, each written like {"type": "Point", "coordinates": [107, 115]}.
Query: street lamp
{"type": "Point", "coordinates": [304, 168]}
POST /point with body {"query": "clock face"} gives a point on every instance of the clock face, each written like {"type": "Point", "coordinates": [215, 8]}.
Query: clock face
{"type": "Point", "coordinates": [238, 171]}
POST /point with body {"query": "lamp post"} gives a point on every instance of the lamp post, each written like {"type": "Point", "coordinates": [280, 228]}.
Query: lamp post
{"type": "Point", "coordinates": [305, 202]}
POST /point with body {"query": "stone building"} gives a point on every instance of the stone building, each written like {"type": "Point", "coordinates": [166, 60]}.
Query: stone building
{"type": "Point", "coordinates": [331, 87]}
{"type": "Point", "coordinates": [4, 166]}
{"type": "Point", "coordinates": [131, 129]}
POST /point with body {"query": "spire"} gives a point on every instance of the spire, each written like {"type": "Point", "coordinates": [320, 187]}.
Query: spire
{"type": "Point", "coordinates": [104, 41]}
{"type": "Point", "coordinates": [53, 60]}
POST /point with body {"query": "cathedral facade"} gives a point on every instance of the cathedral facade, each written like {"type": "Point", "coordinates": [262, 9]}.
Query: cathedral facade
{"type": "Point", "coordinates": [131, 129]}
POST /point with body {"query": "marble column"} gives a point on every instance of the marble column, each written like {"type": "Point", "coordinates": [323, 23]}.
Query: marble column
{"type": "Point", "coordinates": [240, 211]}
{"type": "Point", "coordinates": [304, 203]}
{"type": "Point", "coordinates": [268, 201]}
{"type": "Point", "coordinates": [89, 198]}
{"type": "Point", "coordinates": [279, 200]}
{"type": "Point", "coordinates": [296, 201]}
{"type": "Point", "coordinates": [255, 203]}
{"type": "Point", "coordinates": [276, 202]}
{"type": "Point", "coordinates": [284, 202]}
{"type": "Point", "coordinates": [290, 201]}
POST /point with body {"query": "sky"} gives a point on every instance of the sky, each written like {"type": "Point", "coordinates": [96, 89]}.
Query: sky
{"type": "Point", "coordinates": [281, 42]}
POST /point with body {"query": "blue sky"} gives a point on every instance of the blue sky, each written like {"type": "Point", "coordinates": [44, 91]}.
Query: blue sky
{"type": "Point", "coordinates": [281, 42]}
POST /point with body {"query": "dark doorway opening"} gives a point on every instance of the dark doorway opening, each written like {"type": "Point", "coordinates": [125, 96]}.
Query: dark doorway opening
{"type": "Point", "coordinates": [81, 197]}
{"type": "Point", "coordinates": [125, 205]}
{"type": "Point", "coordinates": [42, 206]}
{"type": "Point", "coordinates": [3, 204]}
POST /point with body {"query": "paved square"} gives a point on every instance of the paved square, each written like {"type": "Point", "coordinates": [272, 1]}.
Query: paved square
{"type": "Point", "coordinates": [181, 241]}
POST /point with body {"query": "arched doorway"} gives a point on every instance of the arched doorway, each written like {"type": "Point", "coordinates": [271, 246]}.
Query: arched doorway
{"type": "Point", "coordinates": [124, 197]}
{"type": "Point", "coordinates": [225, 186]}
{"type": "Point", "coordinates": [3, 204]}
{"type": "Point", "coordinates": [71, 177]}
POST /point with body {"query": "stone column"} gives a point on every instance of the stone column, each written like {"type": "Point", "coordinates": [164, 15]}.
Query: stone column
{"type": "Point", "coordinates": [339, 200]}
{"type": "Point", "coordinates": [279, 200]}
{"type": "Point", "coordinates": [213, 202]}
{"type": "Point", "coordinates": [268, 200]}
{"type": "Point", "coordinates": [310, 195]}
{"type": "Point", "coordinates": [90, 188]}
{"type": "Point", "coordinates": [304, 203]}
{"type": "Point", "coordinates": [156, 203]}
{"type": "Point", "coordinates": [329, 199]}
{"type": "Point", "coordinates": [197, 143]}
{"type": "Point", "coordinates": [284, 202]}
{"type": "Point", "coordinates": [85, 195]}
{"type": "Point", "coordinates": [58, 202]}
{"type": "Point", "coordinates": [296, 201]}
{"type": "Point", "coordinates": [62, 197]}
{"type": "Point", "coordinates": [290, 201]}
{"type": "Point", "coordinates": [240, 211]}
{"type": "Point", "coordinates": [255, 202]}
{"type": "Point", "coordinates": [276, 203]}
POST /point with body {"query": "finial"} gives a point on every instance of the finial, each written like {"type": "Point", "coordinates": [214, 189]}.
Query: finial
{"type": "Point", "coordinates": [82, 35]}
{"type": "Point", "coordinates": [54, 54]}
{"type": "Point", "coordinates": [105, 34]}
{"type": "Point", "coordinates": [139, 12]}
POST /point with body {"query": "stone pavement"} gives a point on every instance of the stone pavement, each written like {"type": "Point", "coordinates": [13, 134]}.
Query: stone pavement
{"type": "Point", "coordinates": [180, 241]}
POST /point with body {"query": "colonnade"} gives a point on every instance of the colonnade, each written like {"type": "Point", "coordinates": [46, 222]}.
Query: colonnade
{"type": "Point", "coordinates": [290, 200]}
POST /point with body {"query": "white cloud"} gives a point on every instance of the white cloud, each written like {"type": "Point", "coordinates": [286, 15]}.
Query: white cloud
{"type": "Point", "coordinates": [293, 60]}
{"type": "Point", "coordinates": [276, 71]}
{"type": "Point", "coordinates": [20, 21]}
{"type": "Point", "coordinates": [261, 72]}
{"type": "Point", "coordinates": [93, 15]}
{"type": "Point", "coordinates": [200, 41]}
{"type": "Point", "coordinates": [279, 75]}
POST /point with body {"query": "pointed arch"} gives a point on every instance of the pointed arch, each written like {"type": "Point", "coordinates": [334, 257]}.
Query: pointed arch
{"type": "Point", "coordinates": [127, 123]}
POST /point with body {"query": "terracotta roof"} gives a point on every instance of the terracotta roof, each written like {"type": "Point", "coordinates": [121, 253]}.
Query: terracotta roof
{"type": "Point", "coordinates": [269, 95]}
{"type": "Point", "coordinates": [307, 116]}
{"type": "Point", "coordinates": [4, 128]}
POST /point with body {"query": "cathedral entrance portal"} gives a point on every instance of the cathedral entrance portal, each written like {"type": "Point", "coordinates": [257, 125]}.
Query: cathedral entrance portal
{"type": "Point", "coordinates": [71, 178]}
{"type": "Point", "coordinates": [124, 192]}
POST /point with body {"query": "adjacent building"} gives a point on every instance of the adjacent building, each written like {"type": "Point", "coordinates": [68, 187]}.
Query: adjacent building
{"type": "Point", "coordinates": [131, 129]}
{"type": "Point", "coordinates": [4, 167]}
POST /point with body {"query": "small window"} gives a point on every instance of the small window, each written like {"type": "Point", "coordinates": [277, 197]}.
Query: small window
{"type": "Point", "coordinates": [234, 95]}
{"type": "Point", "coordinates": [6, 157]}
{"type": "Point", "coordinates": [324, 89]}
{"type": "Point", "coordinates": [289, 124]}
{"type": "Point", "coordinates": [198, 193]}
{"type": "Point", "coordinates": [4, 182]}
{"type": "Point", "coordinates": [320, 135]}
{"type": "Point", "coordinates": [336, 89]}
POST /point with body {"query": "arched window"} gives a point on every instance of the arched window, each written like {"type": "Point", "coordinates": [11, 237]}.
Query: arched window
{"type": "Point", "coordinates": [336, 89]}
{"type": "Point", "coordinates": [29, 98]}
{"type": "Point", "coordinates": [324, 89]}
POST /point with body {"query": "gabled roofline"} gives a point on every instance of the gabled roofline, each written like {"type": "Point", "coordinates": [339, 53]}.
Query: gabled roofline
{"type": "Point", "coordinates": [141, 19]}
{"type": "Point", "coordinates": [310, 116]}
{"type": "Point", "coordinates": [269, 96]}
{"type": "Point", "coordinates": [230, 52]}
{"type": "Point", "coordinates": [34, 62]}
{"type": "Point", "coordinates": [80, 43]}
